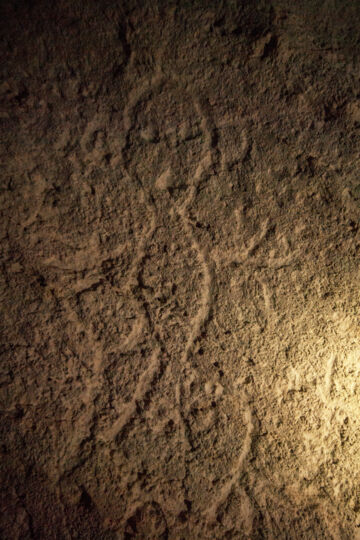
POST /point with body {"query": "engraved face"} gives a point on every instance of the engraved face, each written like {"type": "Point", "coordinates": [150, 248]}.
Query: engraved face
{"type": "Point", "coordinates": [165, 141]}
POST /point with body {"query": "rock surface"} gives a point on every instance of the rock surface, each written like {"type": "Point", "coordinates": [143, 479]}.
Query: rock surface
{"type": "Point", "coordinates": [180, 204]}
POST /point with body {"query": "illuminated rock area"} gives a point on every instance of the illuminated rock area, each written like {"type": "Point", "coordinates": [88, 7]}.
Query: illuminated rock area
{"type": "Point", "coordinates": [180, 203]}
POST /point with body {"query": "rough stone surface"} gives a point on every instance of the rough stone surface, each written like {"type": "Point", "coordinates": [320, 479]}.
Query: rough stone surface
{"type": "Point", "coordinates": [180, 204]}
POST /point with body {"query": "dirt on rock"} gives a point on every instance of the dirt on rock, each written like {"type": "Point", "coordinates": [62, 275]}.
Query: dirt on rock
{"type": "Point", "coordinates": [179, 221]}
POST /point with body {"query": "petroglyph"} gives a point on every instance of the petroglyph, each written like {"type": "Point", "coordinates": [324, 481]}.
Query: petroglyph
{"type": "Point", "coordinates": [179, 207]}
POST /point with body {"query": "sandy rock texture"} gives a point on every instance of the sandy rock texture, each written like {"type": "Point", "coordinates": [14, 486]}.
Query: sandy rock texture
{"type": "Point", "coordinates": [180, 204]}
